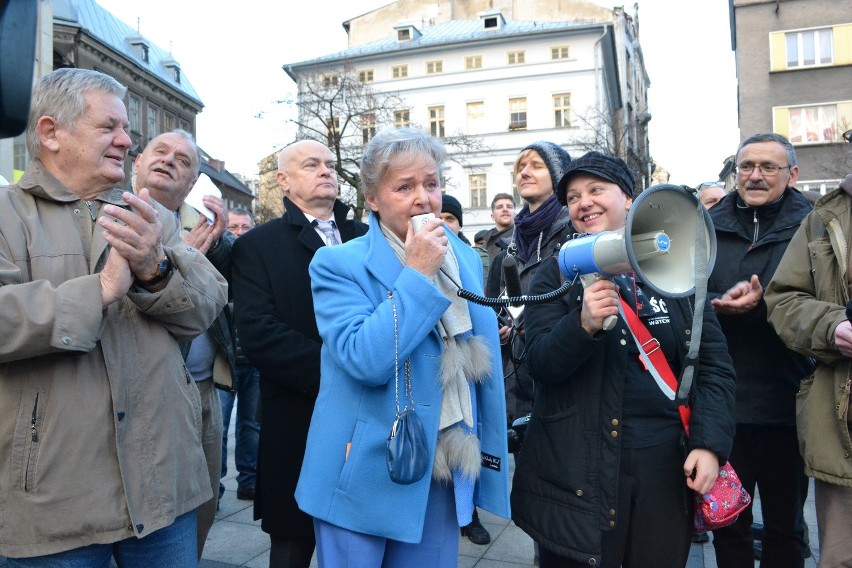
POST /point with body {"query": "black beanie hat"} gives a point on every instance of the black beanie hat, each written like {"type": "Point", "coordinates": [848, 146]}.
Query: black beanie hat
{"type": "Point", "coordinates": [555, 157]}
{"type": "Point", "coordinates": [609, 168]}
{"type": "Point", "coordinates": [450, 204]}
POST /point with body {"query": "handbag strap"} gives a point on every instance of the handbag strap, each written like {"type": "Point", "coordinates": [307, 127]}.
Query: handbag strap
{"type": "Point", "coordinates": [409, 394]}
{"type": "Point", "coordinates": [651, 355]}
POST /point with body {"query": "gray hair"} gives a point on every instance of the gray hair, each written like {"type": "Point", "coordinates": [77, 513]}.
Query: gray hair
{"type": "Point", "coordinates": [61, 95]}
{"type": "Point", "coordinates": [389, 145]}
{"type": "Point", "coordinates": [241, 211]}
{"type": "Point", "coordinates": [189, 138]}
{"type": "Point", "coordinates": [770, 137]}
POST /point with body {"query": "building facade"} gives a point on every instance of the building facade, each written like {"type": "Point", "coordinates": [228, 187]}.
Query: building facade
{"type": "Point", "coordinates": [159, 96]}
{"type": "Point", "coordinates": [489, 84]}
{"type": "Point", "coordinates": [794, 67]}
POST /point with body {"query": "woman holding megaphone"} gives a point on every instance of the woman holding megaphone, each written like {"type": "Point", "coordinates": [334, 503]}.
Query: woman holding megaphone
{"type": "Point", "coordinates": [606, 473]}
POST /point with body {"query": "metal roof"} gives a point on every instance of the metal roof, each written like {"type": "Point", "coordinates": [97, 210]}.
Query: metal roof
{"type": "Point", "coordinates": [102, 25]}
{"type": "Point", "coordinates": [454, 31]}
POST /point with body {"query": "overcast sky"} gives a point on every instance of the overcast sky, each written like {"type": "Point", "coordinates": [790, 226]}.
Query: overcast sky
{"type": "Point", "coordinates": [233, 56]}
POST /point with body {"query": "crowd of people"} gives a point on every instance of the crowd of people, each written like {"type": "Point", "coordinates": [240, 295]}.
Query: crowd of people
{"type": "Point", "coordinates": [134, 325]}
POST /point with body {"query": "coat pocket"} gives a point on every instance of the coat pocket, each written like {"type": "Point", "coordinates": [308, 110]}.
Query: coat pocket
{"type": "Point", "coordinates": [560, 451]}
{"type": "Point", "coordinates": [29, 432]}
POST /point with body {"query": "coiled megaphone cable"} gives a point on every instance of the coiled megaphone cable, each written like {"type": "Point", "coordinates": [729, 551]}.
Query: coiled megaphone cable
{"type": "Point", "coordinates": [517, 300]}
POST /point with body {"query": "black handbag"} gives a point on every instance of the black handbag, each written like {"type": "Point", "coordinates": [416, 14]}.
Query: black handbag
{"type": "Point", "coordinates": [408, 453]}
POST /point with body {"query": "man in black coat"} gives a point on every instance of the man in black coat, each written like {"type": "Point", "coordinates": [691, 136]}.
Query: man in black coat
{"type": "Point", "coordinates": [753, 226]}
{"type": "Point", "coordinates": [278, 333]}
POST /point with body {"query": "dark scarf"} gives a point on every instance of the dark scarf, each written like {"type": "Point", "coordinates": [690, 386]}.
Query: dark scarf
{"type": "Point", "coordinates": [532, 228]}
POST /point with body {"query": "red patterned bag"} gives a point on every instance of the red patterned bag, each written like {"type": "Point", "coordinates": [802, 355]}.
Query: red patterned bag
{"type": "Point", "coordinates": [721, 506]}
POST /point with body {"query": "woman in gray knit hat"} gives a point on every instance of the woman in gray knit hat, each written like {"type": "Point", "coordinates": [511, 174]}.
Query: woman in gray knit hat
{"type": "Point", "coordinates": [541, 227]}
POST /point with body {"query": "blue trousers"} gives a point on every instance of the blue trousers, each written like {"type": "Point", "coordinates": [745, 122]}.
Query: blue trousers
{"type": "Point", "coordinates": [439, 547]}
{"type": "Point", "coordinates": [170, 547]}
{"type": "Point", "coordinates": [246, 393]}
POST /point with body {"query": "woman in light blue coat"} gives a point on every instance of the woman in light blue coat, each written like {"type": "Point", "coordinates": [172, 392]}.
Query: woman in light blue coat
{"type": "Point", "coordinates": [397, 287]}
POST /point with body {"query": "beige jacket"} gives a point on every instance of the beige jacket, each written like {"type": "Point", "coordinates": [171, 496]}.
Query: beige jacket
{"type": "Point", "coordinates": [99, 420]}
{"type": "Point", "coordinates": [806, 300]}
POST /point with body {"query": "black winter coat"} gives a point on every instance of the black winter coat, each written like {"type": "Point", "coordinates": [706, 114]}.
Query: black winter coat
{"type": "Point", "coordinates": [768, 374]}
{"type": "Point", "coordinates": [274, 313]}
{"type": "Point", "coordinates": [520, 387]}
{"type": "Point", "coordinates": [565, 488]}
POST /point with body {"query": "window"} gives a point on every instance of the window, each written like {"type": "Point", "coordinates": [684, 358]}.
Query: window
{"type": "Point", "coordinates": [436, 121]}
{"type": "Point", "coordinates": [143, 52]}
{"type": "Point", "coordinates": [491, 22]}
{"type": "Point", "coordinates": [473, 62]}
{"type": "Point", "coordinates": [559, 52]}
{"type": "Point", "coordinates": [518, 113]}
{"type": "Point", "coordinates": [20, 156]}
{"type": "Point", "coordinates": [403, 34]}
{"type": "Point", "coordinates": [153, 120]}
{"type": "Point", "coordinates": [475, 117]}
{"type": "Point", "coordinates": [332, 129]}
{"type": "Point", "coordinates": [330, 81]}
{"type": "Point", "coordinates": [168, 121]}
{"type": "Point", "coordinates": [368, 127]}
{"type": "Point", "coordinates": [134, 106]}
{"type": "Point", "coordinates": [365, 76]}
{"type": "Point", "coordinates": [434, 67]}
{"type": "Point", "coordinates": [184, 125]}
{"type": "Point", "coordinates": [562, 110]}
{"type": "Point", "coordinates": [401, 118]}
{"type": "Point", "coordinates": [813, 124]}
{"type": "Point", "coordinates": [399, 71]}
{"type": "Point", "coordinates": [515, 57]}
{"type": "Point", "coordinates": [476, 182]}
{"type": "Point", "coordinates": [812, 47]}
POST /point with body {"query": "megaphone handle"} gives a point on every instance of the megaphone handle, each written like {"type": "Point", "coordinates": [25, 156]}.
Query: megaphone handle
{"type": "Point", "coordinates": [589, 279]}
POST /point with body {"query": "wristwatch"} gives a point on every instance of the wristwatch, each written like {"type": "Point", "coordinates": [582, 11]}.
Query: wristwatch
{"type": "Point", "coordinates": [164, 270]}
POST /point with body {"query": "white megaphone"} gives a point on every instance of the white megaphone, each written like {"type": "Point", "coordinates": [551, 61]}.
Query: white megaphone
{"type": "Point", "coordinates": [658, 242]}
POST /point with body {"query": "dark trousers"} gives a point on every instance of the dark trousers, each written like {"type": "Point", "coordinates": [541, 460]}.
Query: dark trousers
{"type": "Point", "coordinates": [654, 519]}
{"type": "Point", "coordinates": [291, 553]}
{"type": "Point", "coordinates": [768, 457]}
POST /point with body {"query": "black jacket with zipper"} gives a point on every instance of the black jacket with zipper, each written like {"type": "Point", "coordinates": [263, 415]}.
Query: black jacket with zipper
{"type": "Point", "coordinates": [752, 240]}
{"type": "Point", "coordinates": [565, 489]}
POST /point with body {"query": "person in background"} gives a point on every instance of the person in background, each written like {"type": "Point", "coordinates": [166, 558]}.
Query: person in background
{"type": "Point", "coordinates": [453, 216]}
{"type": "Point", "coordinates": [479, 246]}
{"type": "Point", "coordinates": [503, 215]}
{"type": "Point", "coordinates": [101, 454]}
{"type": "Point", "coordinates": [753, 228]}
{"type": "Point", "coordinates": [169, 167]}
{"type": "Point", "coordinates": [274, 314]}
{"type": "Point", "coordinates": [605, 474]}
{"type": "Point", "coordinates": [540, 229]}
{"type": "Point", "coordinates": [808, 303]}
{"type": "Point", "coordinates": [395, 287]}
{"type": "Point", "coordinates": [711, 192]}
{"type": "Point", "coordinates": [246, 394]}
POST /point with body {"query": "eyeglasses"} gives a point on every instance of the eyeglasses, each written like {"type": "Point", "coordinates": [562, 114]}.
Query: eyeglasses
{"type": "Point", "coordinates": [767, 170]}
{"type": "Point", "coordinates": [233, 228]}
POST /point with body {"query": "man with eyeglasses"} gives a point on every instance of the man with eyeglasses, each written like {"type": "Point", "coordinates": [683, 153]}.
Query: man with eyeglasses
{"type": "Point", "coordinates": [245, 394]}
{"type": "Point", "coordinates": [753, 226]}
{"type": "Point", "coordinates": [240, 221]}
{"type": "Point", "coordinates": [808, 301]}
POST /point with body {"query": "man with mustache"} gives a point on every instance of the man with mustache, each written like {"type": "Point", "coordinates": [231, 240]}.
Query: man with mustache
{"type": "Point", "coordinates": [169, 168]}
{"type": "Point", "coordinates": [274, 314]}
{"type": "Point", "coordinates": [754, 225]}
